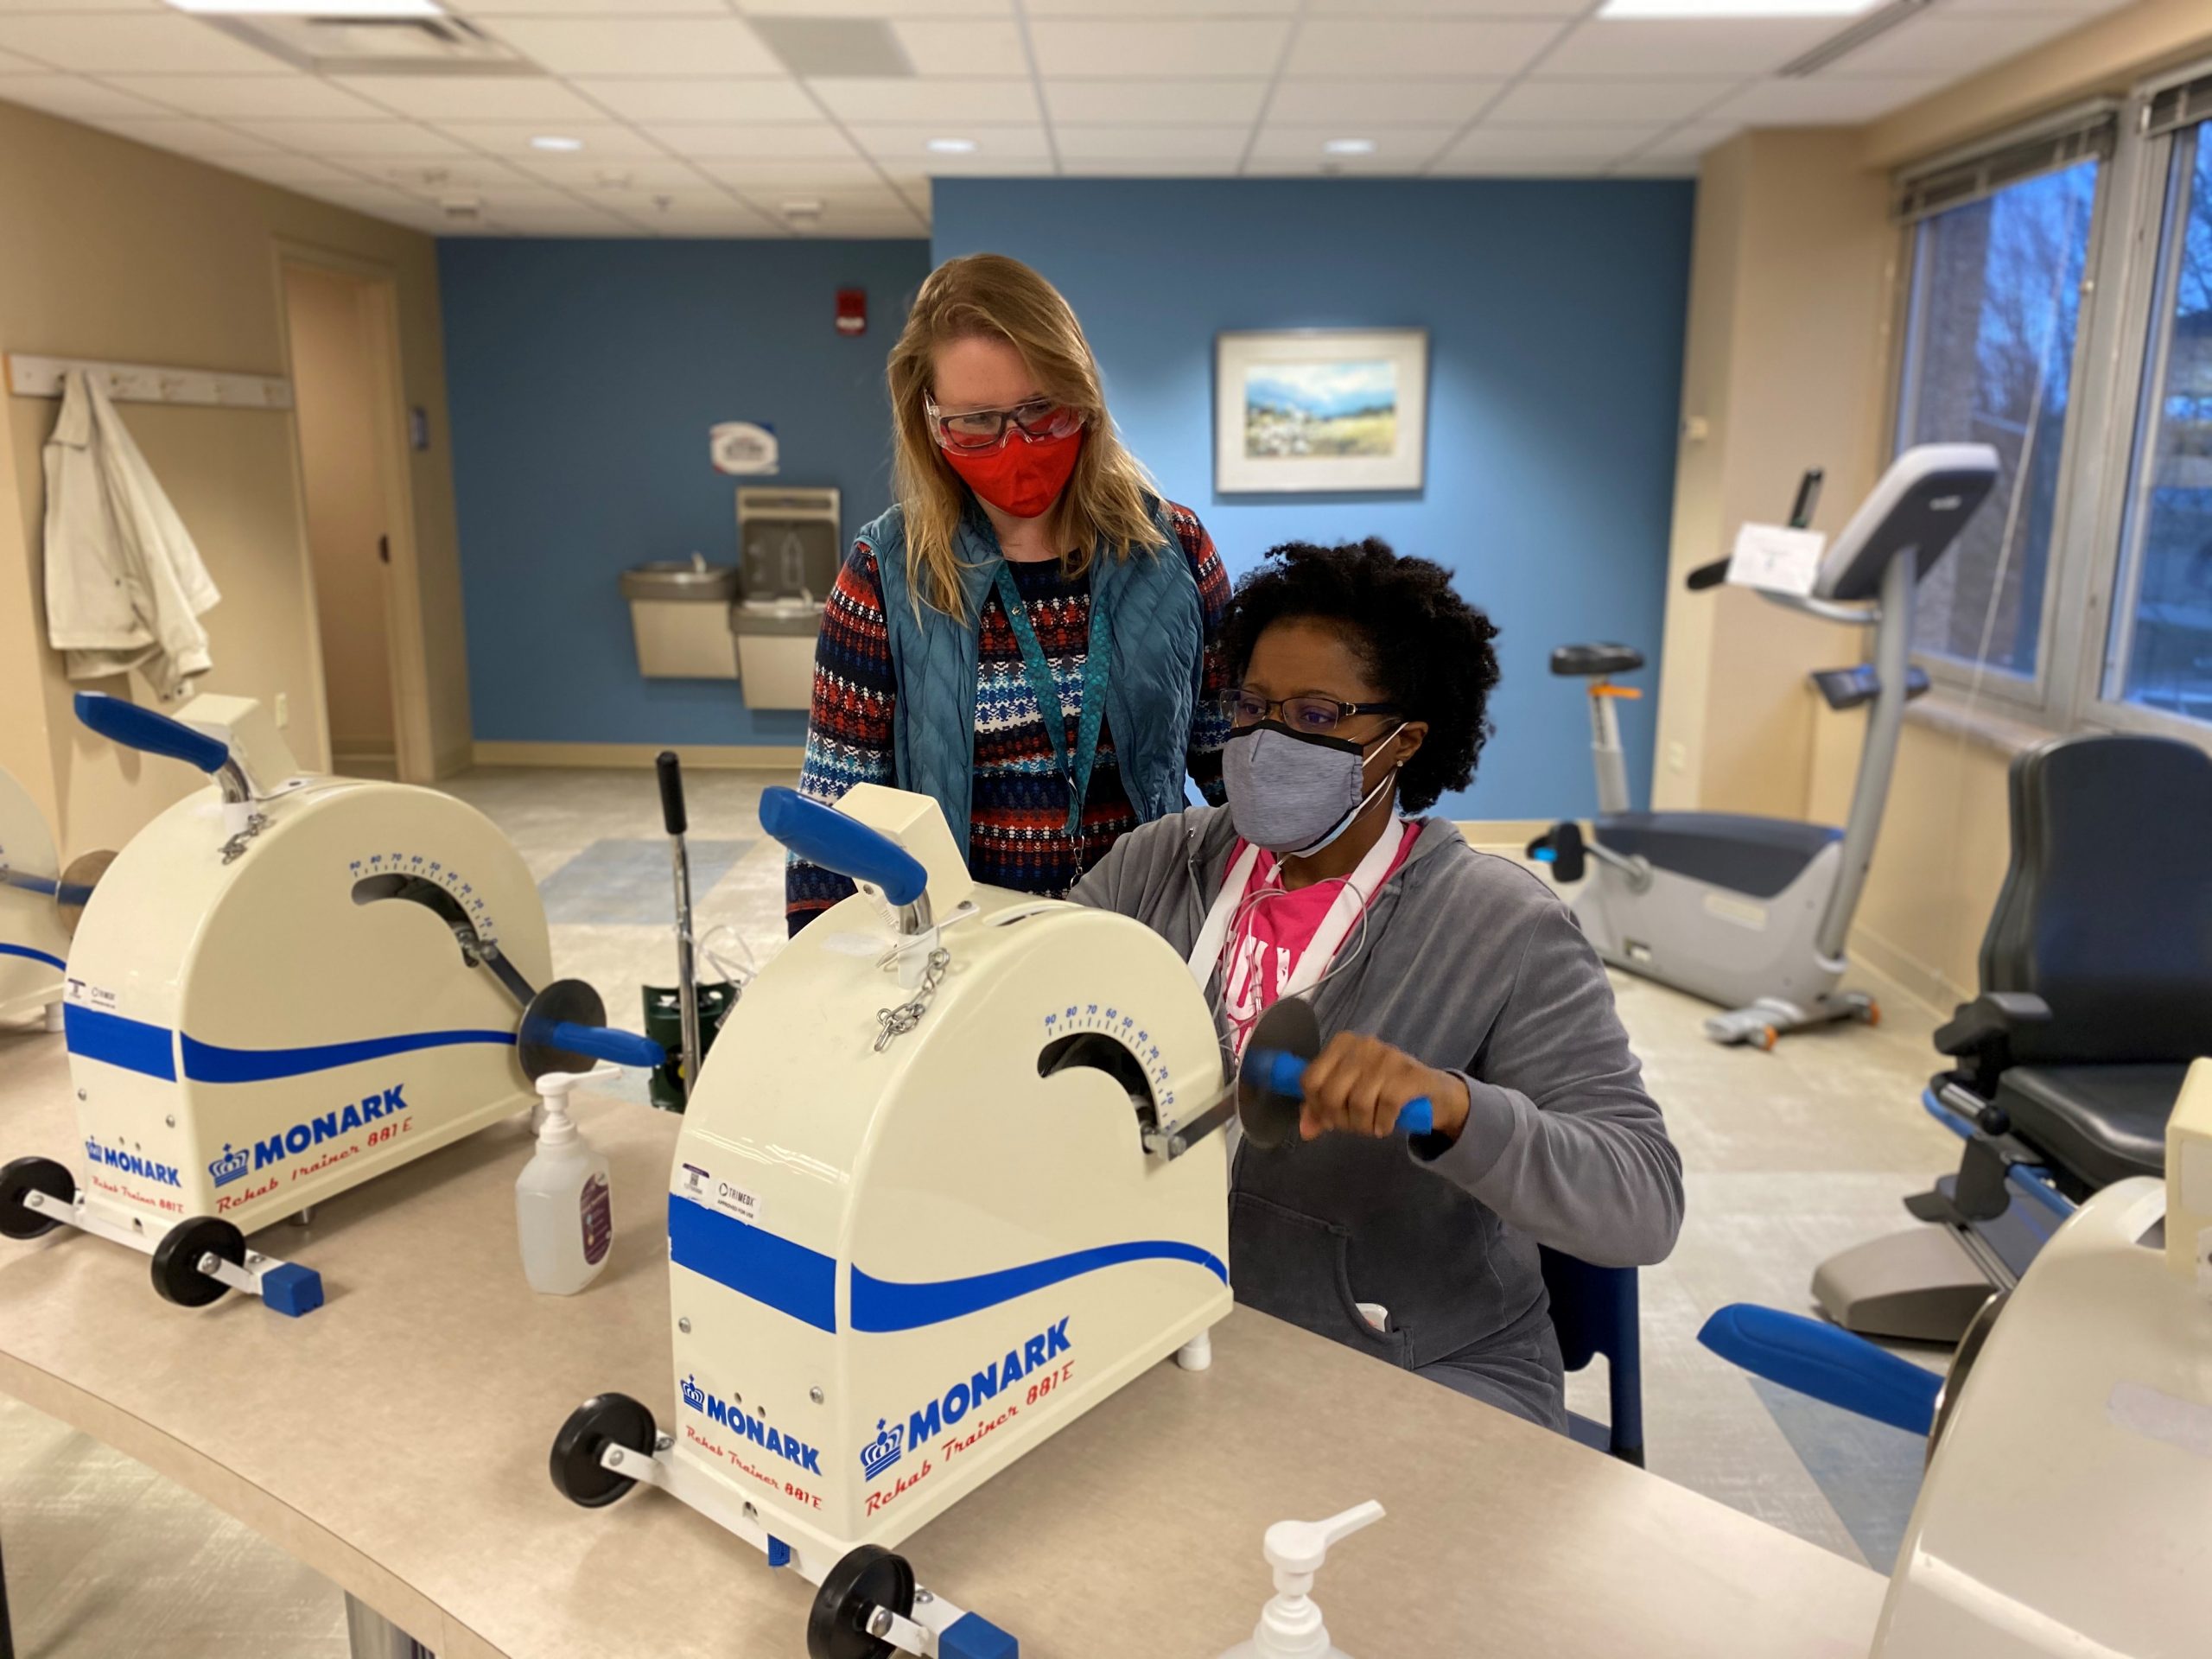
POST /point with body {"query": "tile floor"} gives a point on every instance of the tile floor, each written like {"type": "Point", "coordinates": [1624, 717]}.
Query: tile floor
{"type": "Point", "coordinates": [1789, 1157]}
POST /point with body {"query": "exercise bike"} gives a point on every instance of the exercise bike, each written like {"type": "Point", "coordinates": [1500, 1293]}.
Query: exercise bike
{"type": "Point", "coordinates": [1753, 912]}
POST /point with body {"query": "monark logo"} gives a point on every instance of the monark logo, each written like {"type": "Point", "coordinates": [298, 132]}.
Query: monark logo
{"type": "Point", "coordinates": [957, 1402]}
{"type": "Point", "coordinates": [723, 1414]}
{"type": "Point", "coordinates": [231, 1165]}
{"type": "Point", "coordinates": [331, 1126]}
{"type": "Point", "coordinates": [130, 1163]}
{"type": "Point", "coordinates": [883, 1450]}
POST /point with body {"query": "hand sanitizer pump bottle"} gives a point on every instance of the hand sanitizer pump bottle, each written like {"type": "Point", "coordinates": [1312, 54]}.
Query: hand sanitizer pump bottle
{"type": "Point", "coordinates": [563, 1208]}
{"type": "Point", "coordinates": [1290, 1625]}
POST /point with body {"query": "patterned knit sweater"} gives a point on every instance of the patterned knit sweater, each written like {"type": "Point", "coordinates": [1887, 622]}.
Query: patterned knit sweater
{"type": "Point", "coordinates": [1017, 837]}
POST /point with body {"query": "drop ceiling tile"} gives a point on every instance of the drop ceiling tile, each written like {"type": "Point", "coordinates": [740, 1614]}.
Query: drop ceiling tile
{"type": "Point", "coordinates": [274, 98]}
{"type": "Point", "coordinates": [1608, 102]}
{"type": "Point", "coordinates": [752, 141]}
{"type": "Point", "coordinates": [122, 43]}
{"type": "Point", "coordinates": [603, 141]}
{"type": "Point", "coordinates": [981, 166]}
{"type": "Point", "coordinates": [911, 144]}
{"type": "Point", "coordinates": [773, 175]}
{"type": "Point", "coordinates": [886, 7]}
{"type": "Point", "coordinates": [1331, 167]}
{"type": "Point", "coordinates": [1194, 103]}
{"type": "Point", "coordinates": [296, 172]}
{"type": "Point", "coordinates": [1328, 48]}
{"type": "Point", "coordinates": [70, 96]}
{"type": "Point", "coordinates": [2082, 9]}
{"type": "Point", "coordinates": [1447, 8]}
{"type": "Point", "coordinates": [1149, 166]}
{"type": "Point", "coordinates": [378, 199]}
{"type": "Point", "coordinates": [11, 66]}
{"type": "Point", "coordinates": [185, 135]}
{"type": "Point", "coordinates": [1706, 48]}
{"type": "Point", "coordinates": [440, 178]}
{"type": "Point", "coordinates": [1656, 167]}
{"type": "Point", "coordinates": [1691, 142]}
{"type": "Point", "coordinates": [1935, 45]}
{"type": "Point", "coordinates": [760, 98]}
{"type": "Point", "coordinates": [1362, 103]}
{"type": "Point", "coordinates": [951, 105]}
{"type": "Point", "coordinates": [1153, 8]}
{"type": "Point", "coordinates": [328, 138]}
{"type": "Point", "coordinates": [572, 218]}
{"type": "Point", "coordinates": [1394, 147]}
{"type": "Point", "coordinates": [1578, 144]}
{"type": "Point", "coordinates": [971, 46]}
{"type": "Point", "coordinates": [1171, 48]}
{"type": "Point", "coordinates": [476, 98]}
{"type": "Point", "coordinates": [640, 46]}
{"type": "Point", "coordinates": [1819, 102]}
{"type": "Point", "coordinates": [706, 222]}
{"type": "Point", "coordinates": [580, 173]}
{"type": "Point", "coordinates": [594, 9]}
{"type": "Point", "coordinates": [1222, 145]}
{"type": "Point", "coordinates": [1530, 167]}
{"type": "Point", "coordinates": [82, 5]}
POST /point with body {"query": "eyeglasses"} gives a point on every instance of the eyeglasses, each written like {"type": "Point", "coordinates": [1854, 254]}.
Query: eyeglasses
{"type": "Point", "coordinates": [1316, 714]}
{"type": "Point", "coordinates": [975, 429]}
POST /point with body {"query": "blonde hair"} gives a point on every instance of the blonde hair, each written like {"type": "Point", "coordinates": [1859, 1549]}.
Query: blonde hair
{"type": "Point", "coordinates": [1108, 501]}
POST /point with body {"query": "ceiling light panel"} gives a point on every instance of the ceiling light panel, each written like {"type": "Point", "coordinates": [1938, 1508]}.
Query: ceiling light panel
{"type": "Point", "coordinates": [640, 46]}
{"type": "Point", "coordinates": [1160, 49]}
{"type": "Point", "coordinates": [1390, 48]}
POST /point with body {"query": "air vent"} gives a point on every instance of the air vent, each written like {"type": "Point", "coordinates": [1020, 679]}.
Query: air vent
{"type": "Point", "coordinates": [2179, 106]}
{"type": "Point", "coordinates": [1874, 24]}
{"type": "Point", "coordinates": [2085, 132]}
{"type": "Point", "coordinates": [842, 47]}
{"type": "Point", "coordinates": [379, 46]}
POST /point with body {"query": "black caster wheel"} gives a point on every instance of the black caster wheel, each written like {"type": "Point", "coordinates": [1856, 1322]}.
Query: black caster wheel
{"type": "Point", "coordinates": [27, 1175]}
{"type": "Point", "coordinates": [604, 1420]}
{"type": "Point", "coordinates": [176, 1260]}
{"type": "Point", "coordinates": [863, 1580]}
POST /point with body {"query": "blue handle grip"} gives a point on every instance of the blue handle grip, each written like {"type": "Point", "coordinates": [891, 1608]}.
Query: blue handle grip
{"type": "Point", "coordinates": [824, 836]}
{"type": "Point", "coordinates": [605, 1043]}
{"type": "Point", "coordinates": [1826, 1363]}
{"type": "Point", "coordinates": [1284, 1074]}
{"type": "Point", "coordinates": [141, 728]}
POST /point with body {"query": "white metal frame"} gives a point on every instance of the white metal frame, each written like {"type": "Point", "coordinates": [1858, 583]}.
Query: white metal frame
{"type": "Point", "coordinates": [2104, 444]}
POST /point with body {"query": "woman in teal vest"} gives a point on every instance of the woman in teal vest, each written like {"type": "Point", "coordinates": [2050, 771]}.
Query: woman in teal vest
{"type": "Point", "coordinates": [1028, 637]}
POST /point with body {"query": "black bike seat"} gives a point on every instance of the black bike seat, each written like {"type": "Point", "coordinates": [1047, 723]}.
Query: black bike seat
{"type": "Point", "coordinates": [1596, 659]}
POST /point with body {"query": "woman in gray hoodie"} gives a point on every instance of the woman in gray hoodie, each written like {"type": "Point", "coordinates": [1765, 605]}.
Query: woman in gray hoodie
{"type": "Point", "coordinates": [1434, 971]}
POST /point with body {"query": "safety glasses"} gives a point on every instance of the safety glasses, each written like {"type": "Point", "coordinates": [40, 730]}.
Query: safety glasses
{"type": "Point", "coordinates": [974, 429]}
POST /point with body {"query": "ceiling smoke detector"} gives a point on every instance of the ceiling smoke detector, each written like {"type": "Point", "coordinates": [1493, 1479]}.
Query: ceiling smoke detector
{"type": "Point", "coordinates": [461, 210]}
{"type": "Point", "coordinates": [804, 214]}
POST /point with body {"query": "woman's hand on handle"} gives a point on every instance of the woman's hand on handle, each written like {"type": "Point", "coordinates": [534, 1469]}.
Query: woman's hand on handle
{"type": "Point", "coordinates": [1358, 1085]}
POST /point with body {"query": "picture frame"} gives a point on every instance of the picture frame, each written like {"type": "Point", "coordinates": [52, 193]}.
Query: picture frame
{"type": "Point", "coordinates": [1306, 409]}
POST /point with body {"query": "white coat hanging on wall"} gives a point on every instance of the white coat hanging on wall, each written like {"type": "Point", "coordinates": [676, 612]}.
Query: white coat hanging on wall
{"type": "Point", "coordinates": [1302, 409]}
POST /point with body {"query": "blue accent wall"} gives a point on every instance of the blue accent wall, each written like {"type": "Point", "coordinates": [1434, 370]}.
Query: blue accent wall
{"type": "Point", "coordinates": [1556, 311]}
{"type": "Point", "coordinates": [582, 378]}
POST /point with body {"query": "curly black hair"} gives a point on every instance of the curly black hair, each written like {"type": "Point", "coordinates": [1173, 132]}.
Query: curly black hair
{"type": "Point", "coordinates": [1423, 644]}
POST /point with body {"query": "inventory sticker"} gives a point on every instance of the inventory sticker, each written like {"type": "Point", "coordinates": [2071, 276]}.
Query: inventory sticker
{"type": "Point", "coordinates": [696, 1183]}
{"type": "Point", "coordinates": [736, 1201]}
{"type": "Point", "coordinates": [87, 996]}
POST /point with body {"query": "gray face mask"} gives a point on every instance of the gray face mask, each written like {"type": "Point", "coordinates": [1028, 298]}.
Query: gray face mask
{"type": "Point", "coordinates": [1293, 794]}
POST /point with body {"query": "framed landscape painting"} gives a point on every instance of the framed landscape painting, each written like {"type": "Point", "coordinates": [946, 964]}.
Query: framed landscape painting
{"type": "Point", "coordinates": [1320, 409]}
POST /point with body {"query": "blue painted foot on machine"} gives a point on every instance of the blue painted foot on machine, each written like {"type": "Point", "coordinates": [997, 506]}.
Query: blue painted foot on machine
{"type": "Point", "coordinates": [292, 1290]}
{"type": "Point", "coordinates": [970, 1637]}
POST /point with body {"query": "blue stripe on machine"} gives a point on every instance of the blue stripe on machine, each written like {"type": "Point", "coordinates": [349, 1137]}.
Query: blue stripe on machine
{"type": "Point", "coordinates": [882, 1304]}
{"type": "Point", "coordinates": [7, 950]}
{"type": "Point", "coordinates": [211, 1063]}
{"type": "Point", "coordinates": [110, 1038]}
{"type": "Point", "coordinates": [753, 1262]}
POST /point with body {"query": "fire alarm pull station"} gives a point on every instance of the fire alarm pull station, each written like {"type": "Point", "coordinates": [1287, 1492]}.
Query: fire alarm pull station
{"type": "Point", "coordinates": [852, 310]}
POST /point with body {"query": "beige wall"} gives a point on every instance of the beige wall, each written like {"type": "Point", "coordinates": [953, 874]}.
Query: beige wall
{"type": "Point", "coordinates": [333, 383]}
{"type": "Point", "coordinates": [118, 251]}
{"type": "Point", "coordinates": [1783, 370]}
{"type": "Point", "coordinates": [1789, 355]}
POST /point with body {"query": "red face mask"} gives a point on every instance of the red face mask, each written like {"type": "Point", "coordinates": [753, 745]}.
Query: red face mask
{"type": "Point", "coordinates": [1023, 476]}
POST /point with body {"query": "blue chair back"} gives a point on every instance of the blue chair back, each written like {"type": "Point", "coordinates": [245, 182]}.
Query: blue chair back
{"type": "Point", "coordinates": [1594, 1312]}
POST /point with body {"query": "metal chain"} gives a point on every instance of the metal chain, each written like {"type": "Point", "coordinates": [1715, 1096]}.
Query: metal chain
{"type": "Point", "coordinates": [897, 1022]}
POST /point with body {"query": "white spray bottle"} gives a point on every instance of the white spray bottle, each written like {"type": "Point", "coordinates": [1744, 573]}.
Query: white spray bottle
{"type": "Point", "coordinates": [563, 1206]}
{"type": "Point", "coordinates": [1290, 1625]}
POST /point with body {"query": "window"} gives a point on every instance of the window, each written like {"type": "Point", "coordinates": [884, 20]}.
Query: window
{"type": "Point", "coordinates": [2159, 652]}
{"type": "Point", "coordinates": [1995, 302]}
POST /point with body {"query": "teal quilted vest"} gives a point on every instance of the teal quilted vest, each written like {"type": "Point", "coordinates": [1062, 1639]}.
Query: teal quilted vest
{"type": "Point", "coordinates": [1152, 600]}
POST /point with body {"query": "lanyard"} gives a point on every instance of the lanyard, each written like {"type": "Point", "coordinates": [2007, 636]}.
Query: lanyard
{"type": "Point", "coordinates": [1321, 950]}
{"type": "Point", "coordinates": [1098, 669]}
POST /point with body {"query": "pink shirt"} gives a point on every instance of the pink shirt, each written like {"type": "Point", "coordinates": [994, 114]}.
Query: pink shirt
{"type": "Point", "coordinates": [1271, 934]}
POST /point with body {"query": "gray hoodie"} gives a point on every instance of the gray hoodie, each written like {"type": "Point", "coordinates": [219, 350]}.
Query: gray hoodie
{"type": "Point", "coordinates": [1470, 964]}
